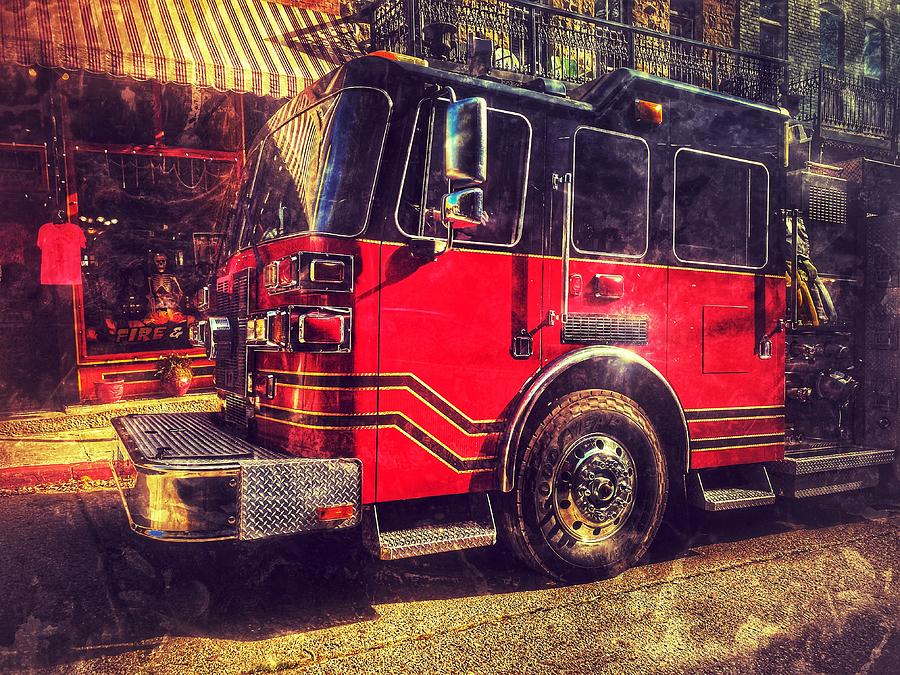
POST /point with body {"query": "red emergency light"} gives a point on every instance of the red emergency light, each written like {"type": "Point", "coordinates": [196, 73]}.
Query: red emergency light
{"type": "Point", "coordinates": [321, 328]}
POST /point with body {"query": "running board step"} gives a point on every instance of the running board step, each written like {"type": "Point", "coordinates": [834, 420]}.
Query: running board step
{"type": "Point", "coordinates": [813, 472]}
{"type": "Point", "coordinates": [733, 487]}
{"type": "Point", "coordinates": [407, 529]}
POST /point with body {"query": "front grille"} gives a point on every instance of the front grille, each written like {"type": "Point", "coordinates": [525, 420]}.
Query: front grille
{"type": "Point", "coordinates": [605, 329]}
{"type": "Point", "coordinates": [231, 361]}
{"type": "Point", "coordinates": [231, 358]}
{"type": "Point", "coordinates": [235, 410]}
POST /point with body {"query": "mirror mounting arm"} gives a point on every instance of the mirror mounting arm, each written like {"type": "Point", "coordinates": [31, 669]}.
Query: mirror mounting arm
{"type": "Point", "coordinates": [439, 92]}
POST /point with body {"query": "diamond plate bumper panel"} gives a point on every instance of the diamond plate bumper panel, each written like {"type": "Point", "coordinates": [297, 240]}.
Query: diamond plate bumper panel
{"type": "Point", "coordinates": [283, 496]}
{"type": "Point", "coordinates": [184, 477]}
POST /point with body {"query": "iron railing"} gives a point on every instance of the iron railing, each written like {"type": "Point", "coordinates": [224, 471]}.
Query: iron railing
{"type": "Point", "coordinates": [532, 39]}
{"type": "Point", "coordinates": [860, 106]}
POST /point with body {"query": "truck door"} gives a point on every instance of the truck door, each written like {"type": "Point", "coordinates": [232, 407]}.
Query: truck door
{"type": "Point", "coordinates": [603, 286]}
{"type": "Point", "coordinates": [726, 296]}
{"type": "Point", "coordinates": [447, 318]}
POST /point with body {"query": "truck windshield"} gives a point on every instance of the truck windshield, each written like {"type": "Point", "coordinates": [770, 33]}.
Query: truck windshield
{"type": "Point", "coordinates": [316, 172]}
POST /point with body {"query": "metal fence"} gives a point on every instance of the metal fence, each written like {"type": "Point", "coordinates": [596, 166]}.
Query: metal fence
{"type": "Point", "coordinates": [855, 105]}
{"type": "Point", "coordinates": [532, 39]}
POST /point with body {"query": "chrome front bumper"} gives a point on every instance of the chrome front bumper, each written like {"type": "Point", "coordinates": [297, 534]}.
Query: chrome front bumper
{"type": "Point", "coordinates": [183, 477]}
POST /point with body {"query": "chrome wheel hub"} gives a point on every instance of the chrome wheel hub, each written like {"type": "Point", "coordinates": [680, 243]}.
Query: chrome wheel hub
{"type": "Point", "coordinates": [593, 487]}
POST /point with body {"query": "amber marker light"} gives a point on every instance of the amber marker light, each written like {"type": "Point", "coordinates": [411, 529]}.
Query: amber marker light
{"type": "Point", "coordinates": [402, 58]}
{"type": "Point", "coordinates": [648, 112]}
{"type": "Point", "coordinates": [338, 512]}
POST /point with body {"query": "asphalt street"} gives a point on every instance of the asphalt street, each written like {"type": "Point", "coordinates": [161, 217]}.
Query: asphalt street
{"type": "Point", "coordinates": [788, 589]}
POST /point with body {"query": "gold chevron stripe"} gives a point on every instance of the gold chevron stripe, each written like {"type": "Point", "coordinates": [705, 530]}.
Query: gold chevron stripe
{"type": "Point", "coordinates": [410, 375]}
{"type": "Point", "coordinates": [394, 388]}
{"type": "Point", "coordinates": [398, 413]}
{"type": "Point", "coordinates": [730, 419]}
{"type": "Point", "coordinates": [737, 447]}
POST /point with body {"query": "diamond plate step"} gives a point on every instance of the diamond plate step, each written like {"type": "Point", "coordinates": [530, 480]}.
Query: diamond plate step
{"type": "Point", "coordinates": [724, 499]}
{"type": "Point", "coordinates": [730, 488]}
{"type": "Point", "coordinates": [186, 438]}
{"type": "Point", "coordinates": [827, 469]}
{"type": "Point", "coordinates": [470, 525]}
{"type": "Point", "coordinates": [833, 458]}
{"type": "Point", "coordinates": [802, 486]}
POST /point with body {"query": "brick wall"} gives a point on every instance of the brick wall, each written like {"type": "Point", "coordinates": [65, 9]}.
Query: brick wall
{"type": "Point", "coordinates": [653, 14]}
{"type": "Point", "coordinates": [716, 19]}
{"type": "Point", "coordinates": [717, 22]}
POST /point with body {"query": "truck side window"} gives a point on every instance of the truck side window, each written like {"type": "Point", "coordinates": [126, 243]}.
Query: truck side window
{"type": "Point", "coordinates": [611, 185]}
{"type": "Point", "coordinates": [509, 147]}
{"type": "Point", "coordinates": [721, 209]}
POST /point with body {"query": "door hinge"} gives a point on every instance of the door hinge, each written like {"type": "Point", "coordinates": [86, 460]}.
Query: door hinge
{"type": "Point", "coordinates": [558, 180]}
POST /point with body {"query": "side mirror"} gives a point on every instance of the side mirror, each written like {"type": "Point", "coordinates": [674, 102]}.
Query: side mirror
{"type": "Point", "coordinates": [463, 208]}
{"type": "Point", "coordinates": [465, 149]}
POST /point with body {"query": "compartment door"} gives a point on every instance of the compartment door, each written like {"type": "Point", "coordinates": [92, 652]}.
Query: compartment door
{"type": "Point", "coordinates": [725, 297]}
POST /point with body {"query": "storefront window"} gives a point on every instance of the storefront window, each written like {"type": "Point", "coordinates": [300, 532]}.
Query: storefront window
{"type": "Point", "coordinates": [153, 230]}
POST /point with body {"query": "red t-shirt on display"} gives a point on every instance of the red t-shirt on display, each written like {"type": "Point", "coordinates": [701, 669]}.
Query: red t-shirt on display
{"type": "Point", "coordinates": [61, 245]}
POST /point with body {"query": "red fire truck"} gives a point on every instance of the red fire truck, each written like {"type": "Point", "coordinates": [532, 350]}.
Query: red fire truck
{"type": "Point", "coordinates": [451, 306]}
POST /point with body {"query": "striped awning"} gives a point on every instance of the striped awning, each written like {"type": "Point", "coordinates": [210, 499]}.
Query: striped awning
{"type": "Point", "coordinates": [268, 47]}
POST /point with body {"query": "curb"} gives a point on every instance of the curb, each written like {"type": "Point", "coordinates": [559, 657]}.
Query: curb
{"type": "Point", "coordinates": [99, 416]}
{"type": "Point", "coordinates": [18, 477]}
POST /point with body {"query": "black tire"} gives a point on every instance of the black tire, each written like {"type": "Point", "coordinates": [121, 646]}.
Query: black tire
{"type": "Point", "coordinates": [591, 488]}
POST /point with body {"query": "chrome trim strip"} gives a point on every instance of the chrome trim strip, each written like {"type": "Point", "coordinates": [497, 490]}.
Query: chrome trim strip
{"type": "Point", "coordinates": [175, 503]}
{"type": "Point", "coordinates": [534, 387]}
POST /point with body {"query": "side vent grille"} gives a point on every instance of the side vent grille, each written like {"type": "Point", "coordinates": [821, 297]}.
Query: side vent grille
{"type": "Point", "coordinates": [605, 329]}
{"type": "Point", "coordinates": [827, 204]}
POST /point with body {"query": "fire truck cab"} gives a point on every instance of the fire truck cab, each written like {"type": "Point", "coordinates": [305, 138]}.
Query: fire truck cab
{"type": "Point", "coordinates": [453, 306]}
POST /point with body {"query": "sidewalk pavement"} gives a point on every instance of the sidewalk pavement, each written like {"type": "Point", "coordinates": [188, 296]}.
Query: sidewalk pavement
{"type": "Point", "coordinates": [80, 455]}
{"type": "Point", "coordinates": [71, 450]}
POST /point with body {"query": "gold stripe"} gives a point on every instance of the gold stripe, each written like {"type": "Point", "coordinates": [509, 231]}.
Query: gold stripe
{"type": "Point", "coordinates": [391, 388]}
{"type": "Point", "coordinates": [413, 376]}
{"type": "Point", "coordinates": [629, 263]}
{"type": "Point", "coordinates": [729, 419]}
{"type": "Point", "coordinates": [387, 426]}
{"type": "Point", "coordinates": [735, 407]}
{"type": "Point", "coordinates": [725, 438]}
{"type": "Point", "coordinates": [737, 447]}
{"type": "Point", "coordinates": [315, 413]}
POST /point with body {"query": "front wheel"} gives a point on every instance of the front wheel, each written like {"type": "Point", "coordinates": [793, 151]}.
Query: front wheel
{"type": "Point", "coordinates": [591, 488]}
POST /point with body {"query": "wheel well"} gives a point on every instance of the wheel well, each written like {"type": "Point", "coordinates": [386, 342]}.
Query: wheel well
{"type": "Point", "coordinates": [614, 369]}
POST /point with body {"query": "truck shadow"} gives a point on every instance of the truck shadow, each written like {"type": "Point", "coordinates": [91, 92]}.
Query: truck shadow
{"type": "Point", "coordinates": [112, 592]}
